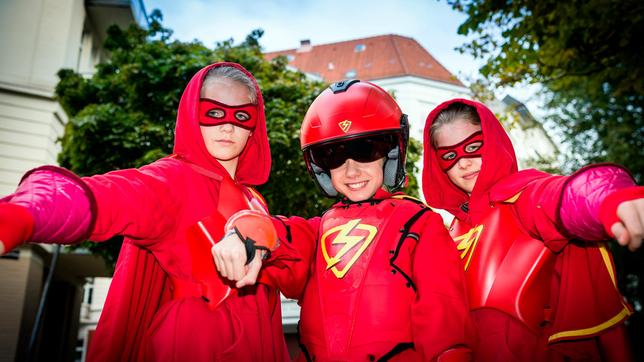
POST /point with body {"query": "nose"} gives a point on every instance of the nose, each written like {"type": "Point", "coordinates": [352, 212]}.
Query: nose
{"type": "Point", "coordinates": [464, 162]}
{"type": "Point", "coordinates": [352, 169]}
{"type": "Point", "coordinates": [226, 128]}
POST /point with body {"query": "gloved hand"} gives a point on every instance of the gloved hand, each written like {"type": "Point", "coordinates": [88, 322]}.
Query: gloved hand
{"type": "Point", "coordinates": [622, 214]}
{"type": "Point", "coordinates": [16, 226]}
{"type": "Point", "coordinates": [256, 230]}
{"type": "Point", "coordinates": [236, 260]}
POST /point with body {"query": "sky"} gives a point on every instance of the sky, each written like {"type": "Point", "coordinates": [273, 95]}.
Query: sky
{"type": "Point", "coordinates": [285, 22]}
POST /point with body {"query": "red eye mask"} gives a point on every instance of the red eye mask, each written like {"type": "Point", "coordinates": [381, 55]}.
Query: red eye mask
{"type": "Point", "coordinates": [213, 113]}
{"type": "Point", "coordinates": [467, 148]}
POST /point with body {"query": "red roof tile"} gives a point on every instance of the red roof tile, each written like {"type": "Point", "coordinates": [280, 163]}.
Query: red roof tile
{"type": "Point", "coordinates": [377, 57]}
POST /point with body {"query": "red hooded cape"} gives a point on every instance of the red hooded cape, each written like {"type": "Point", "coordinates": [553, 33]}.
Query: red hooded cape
{"type": "Point", "coordinates": [587, 300]}
{"type": "Point", "coordinates": [136, 203]}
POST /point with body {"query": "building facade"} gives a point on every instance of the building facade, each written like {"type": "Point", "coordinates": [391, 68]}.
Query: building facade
{"type": "Point", "coordinates": [38, 38]}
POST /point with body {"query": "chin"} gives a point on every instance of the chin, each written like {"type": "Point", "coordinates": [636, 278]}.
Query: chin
{"type": "Point", "coordinates": [359, 196]}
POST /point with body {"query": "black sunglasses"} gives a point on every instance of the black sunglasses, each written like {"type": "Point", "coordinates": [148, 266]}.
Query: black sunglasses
{"type": "Point", "coordinates": [367, 149]}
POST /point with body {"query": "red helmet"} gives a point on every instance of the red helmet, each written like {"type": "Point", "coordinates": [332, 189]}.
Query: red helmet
{"type": "Point", "coordinates": [358, 120]}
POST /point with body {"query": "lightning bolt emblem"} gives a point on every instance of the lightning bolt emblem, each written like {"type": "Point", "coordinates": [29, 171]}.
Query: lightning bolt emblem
{"type": "Point", "coordinates": [344, 125]}
{"type": "Point", "coordinates": [467, 243]}
{"type": "Point", "coordinates": [348, 241]}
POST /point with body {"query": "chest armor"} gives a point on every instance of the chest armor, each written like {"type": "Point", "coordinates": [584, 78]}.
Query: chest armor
{"type": "Point", "coordinates": [358, 300]}
{"type": "Point", "coordinates": [505, 268]}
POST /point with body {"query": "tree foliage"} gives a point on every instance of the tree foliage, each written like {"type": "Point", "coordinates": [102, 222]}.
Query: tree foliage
{"type": "Point", "coordinates": [587, 56]}
{"type": "Point", "coordinates": [124, 115]}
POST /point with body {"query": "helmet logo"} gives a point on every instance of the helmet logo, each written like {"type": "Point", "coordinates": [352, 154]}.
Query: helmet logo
{"type": "Point", "coordinates": [345, 125]}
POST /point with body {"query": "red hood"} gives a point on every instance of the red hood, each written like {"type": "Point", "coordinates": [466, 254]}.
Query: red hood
{"type": "Point", "coordinates": [498, 157]}
{"type": "Point", "coordinates": [255, 161]}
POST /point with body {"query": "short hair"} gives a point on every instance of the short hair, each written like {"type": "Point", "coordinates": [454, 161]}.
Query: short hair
{"type": "Point", "coordinates": [233, 74]}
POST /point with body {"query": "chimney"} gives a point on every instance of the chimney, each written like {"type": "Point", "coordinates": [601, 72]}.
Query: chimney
{"type": "Point", "coordinates": [305, 46]}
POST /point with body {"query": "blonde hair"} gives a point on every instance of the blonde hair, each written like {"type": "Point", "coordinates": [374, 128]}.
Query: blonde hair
{"type": "Point", "coordinates": [450, 114]}
{"type": "Point", "coordinates": [232, 74]}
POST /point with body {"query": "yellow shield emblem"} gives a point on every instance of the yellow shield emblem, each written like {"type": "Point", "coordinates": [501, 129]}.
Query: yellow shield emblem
{"type": "Point", "coordinates": [348, 236]}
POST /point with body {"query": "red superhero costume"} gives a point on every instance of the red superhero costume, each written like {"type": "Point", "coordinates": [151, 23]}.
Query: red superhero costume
{"type": "Point", "coordinates": [384, 281]}
{"type": "Point", "coordinates": [537, 292]}
{"type": "Point", "coordinates": [160, 305]}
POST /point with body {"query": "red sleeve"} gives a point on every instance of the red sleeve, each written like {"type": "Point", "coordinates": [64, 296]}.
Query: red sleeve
{"type": "Point", "coordinates": [536, 208]}
{"type": "Point", "coordinates": [288, 267]}
{"type": "Point", "coordinates": [558, 208]}
{"type": "Point", "coordinates": [136, 203]}
{"type": "Point", "coordinates": [440, 314]}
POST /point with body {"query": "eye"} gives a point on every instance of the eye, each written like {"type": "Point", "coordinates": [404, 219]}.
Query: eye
{"type": "Point", "coordinates": [449, 156]}
{"type": "Point", "coordinates": [473, 147]}
{"type": "Point", "coordinates": [216, 113]}
{"type": "Point", "coordinates": [242, 116]}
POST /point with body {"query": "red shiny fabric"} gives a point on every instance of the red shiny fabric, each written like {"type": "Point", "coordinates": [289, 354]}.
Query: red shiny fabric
{"type": "Point", "coordinates": [585, 304]}
{"type": "Point", "coordinates": [154, 206]}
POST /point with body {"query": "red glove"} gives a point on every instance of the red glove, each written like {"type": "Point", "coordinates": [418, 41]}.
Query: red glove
{"type": "Point", "coordinates": [16, 226]}
{"type": "Point", "coordinates": [608, 209]}
{"type": "Point", "coordinates": [256, 230]}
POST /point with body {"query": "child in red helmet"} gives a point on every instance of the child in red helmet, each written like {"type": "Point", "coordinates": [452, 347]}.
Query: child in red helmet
{"type": "Point", "coordinates": [379, 277]}
{"type": "Point", "coordinates": [541, 285]}
{"type": "Point", "coordinates": [163, 302]}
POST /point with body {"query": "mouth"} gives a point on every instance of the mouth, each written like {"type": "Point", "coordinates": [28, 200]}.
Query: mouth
{"type": "Point", "coordinates": [471, 175]}
{"type": "Point", "coordinates": [354, 186]}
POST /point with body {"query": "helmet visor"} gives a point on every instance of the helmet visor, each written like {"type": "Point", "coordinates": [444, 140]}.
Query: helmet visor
{"type": "Point", "coordinates": [367, 149]}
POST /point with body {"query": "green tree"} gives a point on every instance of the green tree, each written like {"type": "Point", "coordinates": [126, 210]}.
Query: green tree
{"type": "Point", "coordinates": [586, 55]}
{"type": "Point", "coordinates": [124, 115]}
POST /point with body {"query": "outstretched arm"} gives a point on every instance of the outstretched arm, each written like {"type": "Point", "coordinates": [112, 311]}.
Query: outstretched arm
{"type": "Point", "coordinates": [556, 209]}
{"type": "Point", "coordinates": [51, 205]}
{"type": "Point", "coordinates": [601, 201]}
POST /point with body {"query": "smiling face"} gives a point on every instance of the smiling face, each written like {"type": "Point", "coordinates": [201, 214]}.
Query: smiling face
{"type": "Point", "coordinates": [225, 142]}
{"type": "Point", "coordinates": [358, 181]}
{"type": "Point", "coordinates": [457, 141]}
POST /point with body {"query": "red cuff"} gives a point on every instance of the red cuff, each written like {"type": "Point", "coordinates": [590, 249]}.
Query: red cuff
{"type": "Point", "coordinates": [608, 209]}
{"type": "Point", "coordinates": [254, 225]}
{"type": "Point", "coordinates": [16, 225]}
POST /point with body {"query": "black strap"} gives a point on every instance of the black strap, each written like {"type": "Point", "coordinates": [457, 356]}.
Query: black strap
{"type": "Point", "coordinates": [405, 233]}
{"type": "Point", "coordinates": [251, 247]}
{"type": "Point", "coordinates": [400, 347]}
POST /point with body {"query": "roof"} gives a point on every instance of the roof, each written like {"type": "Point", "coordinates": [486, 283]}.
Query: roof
{"type": "Point", "coordinates": [378, 57]}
